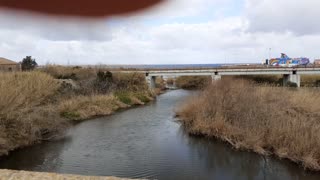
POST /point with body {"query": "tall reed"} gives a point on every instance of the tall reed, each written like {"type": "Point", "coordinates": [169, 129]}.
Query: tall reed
{"type": "Point", "coordinates": [267, 120]}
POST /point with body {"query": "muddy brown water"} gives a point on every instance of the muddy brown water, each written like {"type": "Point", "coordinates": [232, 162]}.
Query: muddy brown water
{"type": "Point", "coordinates": [147, 142]}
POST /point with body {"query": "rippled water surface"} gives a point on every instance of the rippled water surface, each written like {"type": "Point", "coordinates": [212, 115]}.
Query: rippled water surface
{"type": "Point", "coordinates": [147, 142]}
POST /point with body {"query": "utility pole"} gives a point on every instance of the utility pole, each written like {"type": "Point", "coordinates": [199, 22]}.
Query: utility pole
{"type": "Point", "coordinates": [269, 54]}
{"type": "Point", "coordinates": [225, 58]}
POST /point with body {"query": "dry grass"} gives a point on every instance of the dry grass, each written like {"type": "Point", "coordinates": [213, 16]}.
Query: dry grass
{"type": "Point", "coordinates": [34, 106]}
{"type": "Point", "coordinates": [267, 120]}
{"type": "Point", "coordinates": [170, 81]}
{"type": "Point", "coordinates": [193, 82]}
{"type": "Point", "coordinates": [310, 80]}
{"type": "Point", "coordinates": [64, 72]}
{"type": "Point", "coordinates": [25, 115]}
{"type": "Point", "coordinates": [84, 107]}
{"type": "Point", "coordinates": [6, 174]}
{"type": "Point", "coordinates": [275, 80]}
{"type": "Point", "coordinates": [22, 91]}
{"type": "Point", "coordinates": [130, 82]}
{"type": "Point", "coordinates": [306, 80]}
{"type": "Point", "coordinates": [86, 77]}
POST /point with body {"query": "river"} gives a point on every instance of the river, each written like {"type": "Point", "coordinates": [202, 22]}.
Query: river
{"type": "Point", "coordinates": [148, 142]}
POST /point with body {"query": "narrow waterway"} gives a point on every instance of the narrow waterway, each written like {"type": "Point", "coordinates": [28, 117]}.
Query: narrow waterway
{"type": "Point", "coordinates": [147, 142]}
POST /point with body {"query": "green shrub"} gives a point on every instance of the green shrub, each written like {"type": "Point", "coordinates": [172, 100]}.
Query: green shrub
{"type": "Point", "coordinates": [104, 76]}
{"type": "Point", "coordinates": [142, 97]}
{"type": "Point", "coordinates": [70, 115]}
{"type": "Point", "coordinates": [124, 97]}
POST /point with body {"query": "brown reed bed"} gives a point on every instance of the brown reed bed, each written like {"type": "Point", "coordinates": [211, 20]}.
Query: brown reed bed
{"type": "Point", "coordinates": [268, 120]}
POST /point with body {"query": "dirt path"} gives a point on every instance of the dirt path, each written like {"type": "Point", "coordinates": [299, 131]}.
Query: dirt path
{"type": "Point", "coordinates": [25, 175]}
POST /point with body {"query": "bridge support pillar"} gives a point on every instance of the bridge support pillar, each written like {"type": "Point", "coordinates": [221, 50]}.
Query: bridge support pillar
{"type": "Point", "coordinates": [215, 78]}
{"type": "Point", "coordinates": [174, 82]}
{"type": "Point", "coordinates": [293, 78]}
{"type": "Point", "coordinates": [151, 80]}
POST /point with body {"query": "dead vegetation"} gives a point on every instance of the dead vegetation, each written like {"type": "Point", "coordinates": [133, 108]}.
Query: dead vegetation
{"type": "Point", "coordinates": [25, 115]}
{"type": "Point", "coordinates": [310, 80]}
{"type": "Point", "coordinates": [267, 120]}
{"type": "Point", "coordinates": [193, 82]}
{"type": "Point", "coordinates": [277, 80]}
{"type": "Point", "coordinates": [38, 105]}
{"type": "Point", "coordinates": [84, 107]}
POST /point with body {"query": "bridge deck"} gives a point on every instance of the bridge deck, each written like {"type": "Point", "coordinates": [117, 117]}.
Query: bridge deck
{"type": "Point", "coordinates": [257, 70]}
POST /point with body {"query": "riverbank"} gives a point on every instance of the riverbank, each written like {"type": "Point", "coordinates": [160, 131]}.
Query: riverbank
{"type": "Point", "coordinates": [147, 142]}
{"type": "Point", "coordinates": [11, 174]}
{"type": "Point", "coordinates": [39, 106]}
{"type": "Point", "coordinates": [266, 120]}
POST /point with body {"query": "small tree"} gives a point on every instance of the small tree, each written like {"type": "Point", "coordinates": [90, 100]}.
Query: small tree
{"type": "Point", "coordinates": [28, 63]}
{"type": "Point", "coordinates": [103, 82]}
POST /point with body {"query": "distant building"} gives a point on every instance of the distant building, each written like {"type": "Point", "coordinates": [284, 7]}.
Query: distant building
{"type": "Point", "coordinates": [7, 65]}
{"type": "Point", "coordinates": [317, 61]}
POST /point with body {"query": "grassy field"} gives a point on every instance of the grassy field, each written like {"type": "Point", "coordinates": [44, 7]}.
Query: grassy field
{"type": "Point", "coordinates": [267, 120]}
{"type": "Point", "coordinates": [39, 105]}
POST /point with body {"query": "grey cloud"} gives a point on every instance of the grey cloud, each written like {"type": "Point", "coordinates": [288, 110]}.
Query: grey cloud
{"type": "Point", "coordinates": [297, 16]}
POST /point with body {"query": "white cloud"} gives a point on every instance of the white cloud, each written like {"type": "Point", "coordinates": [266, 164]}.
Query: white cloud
{"type": "Point", "coordinates": [232, 39]}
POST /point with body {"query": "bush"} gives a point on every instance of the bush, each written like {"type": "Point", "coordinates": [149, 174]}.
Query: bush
{"type": "Point", "coordinates": [130, 82]}
{"type": "Point", "coordinates": [23, 91]}
{"type": "Point", "coordinates": [84, 107]}
{"type": "Point", "coordinates": [264, 79]}
{"type": "Point", "coordinates": [143, 97]}
{"type": "Point", "coordinates": [26, 115]}
{"type": "Point", "coordinates": [104, 76]}
{"type": "Point", "coordinates": [263, 119]}
{"type": "Point", "coordinates": [70, 115]}
{"type": "Point", "coordinates": [75, 73]}
{"type": "Point", "coordinates": [193, 82]}
{"type": "Point", "coordinates": [103, 82]}
{"type": "Point", "coordinates": [124, 97]}
{"type": "Point", "coordinates": [72, 76]}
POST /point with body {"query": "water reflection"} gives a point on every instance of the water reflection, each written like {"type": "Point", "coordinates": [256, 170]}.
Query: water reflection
{"type": "Point", "coordinates": [40, 157]}
{"type": "Point", "coordinates": [220, 158]}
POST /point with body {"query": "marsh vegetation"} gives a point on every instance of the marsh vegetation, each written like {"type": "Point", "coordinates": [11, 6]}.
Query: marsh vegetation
{"type": "Point", "coordinates": [39, 105]}
{"type": "Point", "coordinates": [267, 120]}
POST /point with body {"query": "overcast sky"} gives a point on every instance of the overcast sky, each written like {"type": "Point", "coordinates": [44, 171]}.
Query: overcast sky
{"type": "Point", "coordinates": [178, 31]}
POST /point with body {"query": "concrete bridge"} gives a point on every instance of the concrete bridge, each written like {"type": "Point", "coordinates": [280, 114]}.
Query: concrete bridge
{"type": "Point", "coordinates": [290, 74]}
